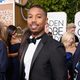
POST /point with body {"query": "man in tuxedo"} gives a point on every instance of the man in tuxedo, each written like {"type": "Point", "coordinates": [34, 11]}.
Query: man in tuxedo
{"type": "Point", "coordinates": [42, 57]}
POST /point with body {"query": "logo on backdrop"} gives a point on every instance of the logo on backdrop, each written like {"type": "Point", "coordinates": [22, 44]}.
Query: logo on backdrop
{"type": "Point", "coordinates": [57, 22]}
{"type": "Point", "coordinates": [77, 23]}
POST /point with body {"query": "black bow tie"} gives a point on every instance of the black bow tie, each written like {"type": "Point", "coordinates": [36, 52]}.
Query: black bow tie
{"type": "Point", "coordinates": [33, 40]}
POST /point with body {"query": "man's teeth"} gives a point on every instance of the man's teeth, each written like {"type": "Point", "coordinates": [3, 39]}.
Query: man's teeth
{"type": "Point", "coordinates": [34, 26]}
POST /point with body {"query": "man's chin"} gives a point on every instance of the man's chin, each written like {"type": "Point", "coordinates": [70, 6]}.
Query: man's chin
{"type": "Point", "coordinates": [35, 32]}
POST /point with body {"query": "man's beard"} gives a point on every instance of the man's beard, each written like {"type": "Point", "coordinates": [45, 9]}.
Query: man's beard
{"type": "Point", "coordinates": [37, 32]}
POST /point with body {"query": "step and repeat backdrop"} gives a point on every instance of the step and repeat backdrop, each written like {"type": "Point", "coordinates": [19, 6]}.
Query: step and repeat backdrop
{"type": "Point", "coordinates": [11, 13]}
{"type": "Point", "coordinates": [57, 23]}
{"type": "Point", "coordinates": [22, 2]}
{"type": "Point", "coordinates": [77, 23]}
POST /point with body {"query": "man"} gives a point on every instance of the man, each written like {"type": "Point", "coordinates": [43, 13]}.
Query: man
{"type": "Point", "coordinates": [45, 58]}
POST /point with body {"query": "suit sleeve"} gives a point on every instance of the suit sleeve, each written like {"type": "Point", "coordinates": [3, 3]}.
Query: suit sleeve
{"type": "Point", "coordinates": [58, 63]}
{"type": "Point", "coordinates": [3, 57]}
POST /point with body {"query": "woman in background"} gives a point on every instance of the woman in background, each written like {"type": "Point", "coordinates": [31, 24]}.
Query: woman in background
{"type": "Point", "coordinates": [13, 43]}
{"type": "Point", "coordinates": [3, 52]}
{"type": "Point", "coordinates": [68, 39]}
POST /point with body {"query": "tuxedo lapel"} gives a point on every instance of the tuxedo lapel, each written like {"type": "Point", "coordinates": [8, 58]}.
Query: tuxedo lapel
{"type": "Point", "coordinates": [37, 52]}
{"type": "Point", "coordinates": [24, 51]}
{"type": "Point", "coordinates": [22, 57]}
{"type": "Point", "coordinates": [39, 47]}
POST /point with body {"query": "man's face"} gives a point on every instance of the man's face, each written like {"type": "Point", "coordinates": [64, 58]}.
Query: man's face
{"type": "Point", "coordinates": [72, 29]}
{"type": "Point", "coordinates": [36, 20]}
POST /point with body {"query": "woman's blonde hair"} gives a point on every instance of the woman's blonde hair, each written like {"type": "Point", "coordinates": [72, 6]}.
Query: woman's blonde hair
{"type": "Point", "coordinates": [66, 36]}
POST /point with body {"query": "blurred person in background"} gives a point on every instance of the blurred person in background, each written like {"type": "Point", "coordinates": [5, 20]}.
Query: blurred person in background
{"type": "Point", "coordinates": [68, 40]}
{"type": "Point", "coordinates": [3, 52]}
{"type": "Point", "coordinates": [71, 28]}
{"type": "Point", "coordinates": [47, 30]}
{"type": "Point", "coordinates": [13, 43]}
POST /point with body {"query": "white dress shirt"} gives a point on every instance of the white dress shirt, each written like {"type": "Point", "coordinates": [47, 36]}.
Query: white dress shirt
{"type": "Point", "coordinates": [28, 57]}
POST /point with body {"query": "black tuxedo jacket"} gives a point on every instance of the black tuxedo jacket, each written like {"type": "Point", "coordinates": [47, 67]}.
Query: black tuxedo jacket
{"type": "Point", "coordinates": [48, 62]}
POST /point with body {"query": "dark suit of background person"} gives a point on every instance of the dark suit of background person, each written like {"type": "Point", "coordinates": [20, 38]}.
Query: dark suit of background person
{"type": "Point", "coordinates": [48, 62]}
{"type": "Point", "coordinates": [3, 53]}
{"type": "Point", "coordinates": [76, 61]}
{"type": "Point", "coordinates": [3, 60]}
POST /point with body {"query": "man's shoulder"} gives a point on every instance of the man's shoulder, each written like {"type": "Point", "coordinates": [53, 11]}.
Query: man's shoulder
{"type": "Point", "coordinates": [53, 42]}
{"type": "Point", "coordinates": [50, 41]}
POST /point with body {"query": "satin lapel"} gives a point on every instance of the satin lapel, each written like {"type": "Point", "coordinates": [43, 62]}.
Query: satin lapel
{"type": "Point", "coordinates": [25, 48]}
{"type": "Point", "coordinates": [22, 57]}
{"type": "Point", "coordinates": [37, 52]}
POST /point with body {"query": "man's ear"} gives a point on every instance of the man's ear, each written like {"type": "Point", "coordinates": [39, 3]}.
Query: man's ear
{"type": "Point", "coordinates": [46, 20]}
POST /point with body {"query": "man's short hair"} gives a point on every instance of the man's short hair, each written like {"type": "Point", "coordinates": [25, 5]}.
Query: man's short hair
{"type": "Point", "coordinates": [39, 6]}
{"type": "Point", "coordinates": [70, 25]}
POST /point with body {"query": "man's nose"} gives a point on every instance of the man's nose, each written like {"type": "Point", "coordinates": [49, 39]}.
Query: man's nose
{"type": "Point", "coordinates": [34, 19]}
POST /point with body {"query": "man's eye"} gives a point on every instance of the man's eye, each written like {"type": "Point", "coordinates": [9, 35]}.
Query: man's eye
{"type": "Point", "coordinates": [39, 16]}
